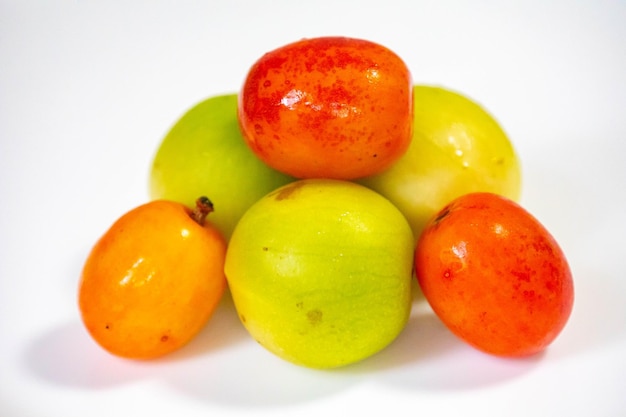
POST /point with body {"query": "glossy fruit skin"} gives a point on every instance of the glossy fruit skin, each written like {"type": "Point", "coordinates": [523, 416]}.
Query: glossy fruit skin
{"type": "Point", "coordinates": [457, 148]}
{"type": "Point", "coordinates": [205, 154]}
{"type": "Point", "coordinates": [494, 275]}
{"type": "Point", "coordinates": [152, 281]}
{"type": "Point", "coordinates": [328, 107]}
{"type": "Point", "coordinates": [320, 272]}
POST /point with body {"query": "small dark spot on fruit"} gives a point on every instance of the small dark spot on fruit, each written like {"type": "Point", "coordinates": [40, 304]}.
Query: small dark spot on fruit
{"type": "Point", "coordinates": [521, 275]}
{"type": "Point", "coordinates": [107, 326]}
{"type": "Point", "coordinates": [267, 83]}
{"type": "Point", "coordinates": [299, 305]}
{"type": "Point", "coordinates": [164, 338]}
{"type": "Point", "coordinates": [265, 248]}
{"type": "Point", "coordinates": [242, 318]}
{"type": "Point", "coordinates": [314, 317]}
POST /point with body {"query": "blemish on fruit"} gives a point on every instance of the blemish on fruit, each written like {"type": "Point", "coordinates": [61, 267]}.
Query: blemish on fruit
{"type": "Point", "coordinates": [314, 317]}
{"type": "Point", "coordinates": [165, 338]}
{"type": "Point", "coordinates": [442, 214]}
{"type": "Point", "coordinates": [287, 191]}
{"type": "Point", "coordinates": [242, 318]}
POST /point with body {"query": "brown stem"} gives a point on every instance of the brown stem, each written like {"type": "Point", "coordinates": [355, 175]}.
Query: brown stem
{"type": "Point", "coordinates": [204, 206]}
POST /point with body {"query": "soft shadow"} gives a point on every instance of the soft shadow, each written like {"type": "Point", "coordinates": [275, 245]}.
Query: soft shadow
{"type": "Point", "coordinates": [424, 338]}
{"type": "Point", "coordinates": [67, 355]}
{"type": "Point", "coordinates": [250, 376]}
{"type": "Point", "coordinates": [463, 369]}
{"type": "Point", "coordinates": [221, 332]}
{"type": "Point", "coordinates": [427, 356]}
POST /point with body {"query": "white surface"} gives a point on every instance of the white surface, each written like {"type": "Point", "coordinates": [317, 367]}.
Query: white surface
{"type": "Point", "coordinates": [87, 91]}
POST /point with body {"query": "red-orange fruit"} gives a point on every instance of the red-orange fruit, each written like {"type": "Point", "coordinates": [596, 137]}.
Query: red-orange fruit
{"type": "Point", "coordinates": [494, 275]}
{"type": "Point", "coordinates": [328, 107]}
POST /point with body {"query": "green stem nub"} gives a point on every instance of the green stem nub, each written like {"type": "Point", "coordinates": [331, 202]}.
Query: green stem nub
{"type": "Point", "coordinates": [204, 206]}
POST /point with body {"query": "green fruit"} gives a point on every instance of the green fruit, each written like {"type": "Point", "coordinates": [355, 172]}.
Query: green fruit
{"type": "Point", "coordinates": [205, 154]}
{"type": "Point", "coordinates": [320, 272]}
{"type": "Point", "coordinates": [457, 148]}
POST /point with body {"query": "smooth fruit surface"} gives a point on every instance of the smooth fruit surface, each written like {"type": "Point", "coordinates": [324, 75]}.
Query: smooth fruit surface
{"type": "Point", "coordinates": [320, 272]}
{"type": "Point", "coordinates": [457, 148]}
{"type": "Point", "coordinates": [205, 154]}
{"type": "Point", "coordinates": [152, 281]}
{"type": "Point", "coordinates": [329, 107]}
{"type": "Point", "coordinates": [494, 275]}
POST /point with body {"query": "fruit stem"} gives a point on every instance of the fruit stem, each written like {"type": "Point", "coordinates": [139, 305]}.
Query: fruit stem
{"type": "Point", "coordinates": [204, 206]}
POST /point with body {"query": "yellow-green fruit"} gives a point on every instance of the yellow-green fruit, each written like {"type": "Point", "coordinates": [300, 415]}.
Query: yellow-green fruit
{"type": "Point", "coordinates": [457, 148]}
{"type": "Point", "coordinates": [320, 272]}
{"type": "Point", "coordinates": [204, 153]}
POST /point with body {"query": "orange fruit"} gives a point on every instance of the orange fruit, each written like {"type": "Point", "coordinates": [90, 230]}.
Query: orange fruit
{"type": "Point", "coordinates": [328, 107]}
{"type": "Point", "coordinates": [494, 275]}
{"type": "Point", "coordinates": [153, 280]}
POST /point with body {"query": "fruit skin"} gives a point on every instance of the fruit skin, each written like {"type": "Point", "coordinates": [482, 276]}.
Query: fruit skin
{"type": "Point", "coordinates": [320, 272]}
{"type": "Point", "coordinates": [457, 148]}
{"type": "Point", "coordinates": [205, 154]}
{"type": "Point", "coordinates": [152, 281]}
{"type": "Point", "coordinates": [494, 275]}
{"type": "Point", "coordinates": [328, 107]}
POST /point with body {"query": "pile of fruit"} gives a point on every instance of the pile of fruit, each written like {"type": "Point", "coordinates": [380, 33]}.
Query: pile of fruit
{"type": "Point", "coordinates": [337, 184]}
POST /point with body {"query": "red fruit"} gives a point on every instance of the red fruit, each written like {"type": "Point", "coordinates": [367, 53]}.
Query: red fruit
{"type": "Point", "coordinates": [330, 107]}
{"type": "Point", "coordinates": [494, 275]}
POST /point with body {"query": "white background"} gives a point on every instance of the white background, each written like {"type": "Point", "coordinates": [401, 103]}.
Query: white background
{"type": "Point", "coordinates": [89, 88]}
